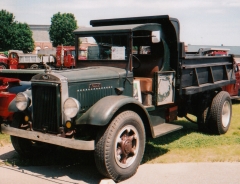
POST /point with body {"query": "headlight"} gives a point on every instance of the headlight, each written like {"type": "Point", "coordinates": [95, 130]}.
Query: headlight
{"type": "Point", "coordinates": [22, 101]}
{"type": "Point", "coordinates": [71, 107]}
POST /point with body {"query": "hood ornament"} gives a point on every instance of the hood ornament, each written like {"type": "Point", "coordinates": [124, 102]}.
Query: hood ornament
{"type": "Point", "coordinates": [47, 68]}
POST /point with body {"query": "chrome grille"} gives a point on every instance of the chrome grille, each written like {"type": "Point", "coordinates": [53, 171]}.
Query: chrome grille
{"type": "Point", "coordinates": [46, 110]}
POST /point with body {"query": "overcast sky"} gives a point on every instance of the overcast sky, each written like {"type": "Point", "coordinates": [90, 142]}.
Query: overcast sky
{"type": "Point", "coordinates": [202, 22]}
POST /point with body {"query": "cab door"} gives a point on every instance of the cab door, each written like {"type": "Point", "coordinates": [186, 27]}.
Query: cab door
{"type": "Point", "coordinates": [13, 60]}
{"type": "Point", "coordinates": [233, 89]}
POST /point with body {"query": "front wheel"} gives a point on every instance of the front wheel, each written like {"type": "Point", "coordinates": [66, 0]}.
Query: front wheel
{"type": "Point", "coordinates": [27, 148]}
{"type": "Point", "coordinates": [220, 113]}
{"type": "Point", "coordinates": [34, 67]}
{"type": "Point", "coordinates": [21, 145]}
{"type": "Point", "coordinates": [120, 147]}
{"type": "Point", "coordinates": [3, 66]}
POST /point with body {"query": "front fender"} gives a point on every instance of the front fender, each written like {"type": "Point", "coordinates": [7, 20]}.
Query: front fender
{"type": "Point", "coordinates": [24, 85]}
{"type": "Point", "coordinates": [103, 111]}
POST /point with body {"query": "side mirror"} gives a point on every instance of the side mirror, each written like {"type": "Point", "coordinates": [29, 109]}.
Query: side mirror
{"type": "Point", "coordinates": [156, 37]}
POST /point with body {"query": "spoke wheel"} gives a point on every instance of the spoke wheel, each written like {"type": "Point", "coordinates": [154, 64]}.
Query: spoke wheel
{"type": "Point", "coordinates": [120, 146]}
{"type": "Point", "coordinates": [127, 146]}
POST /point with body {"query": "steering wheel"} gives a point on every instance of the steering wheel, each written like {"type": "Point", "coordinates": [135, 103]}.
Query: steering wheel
{"type": "Point", "coordinates": [139, 62]}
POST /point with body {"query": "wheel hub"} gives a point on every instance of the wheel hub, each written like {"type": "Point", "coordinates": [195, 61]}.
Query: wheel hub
{"type": "Point", "coordinates": [126, 147]}
{"type": "Point", "coordinates": [226, 113]}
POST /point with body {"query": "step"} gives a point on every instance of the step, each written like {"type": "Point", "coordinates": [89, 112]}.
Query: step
{"type": "Point", "coordinates": [164, 129]}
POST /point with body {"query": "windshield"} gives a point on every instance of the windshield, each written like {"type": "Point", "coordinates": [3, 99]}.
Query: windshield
{"type": "Point", "coordinates": [104, 47]}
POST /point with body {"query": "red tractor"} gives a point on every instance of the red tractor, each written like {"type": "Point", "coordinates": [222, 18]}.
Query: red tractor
{"type": "Point", "coordinates": [9, 87]}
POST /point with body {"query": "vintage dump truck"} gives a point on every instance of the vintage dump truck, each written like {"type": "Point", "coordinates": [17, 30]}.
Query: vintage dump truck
{"type": "Point", "coordinates": [138, 83]}
{"type": "Point", "coordinates": [18, 60]}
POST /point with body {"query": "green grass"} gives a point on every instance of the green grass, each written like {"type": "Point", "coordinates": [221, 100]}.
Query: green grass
{"type": "Point", "coordinates": [185, 145]}
{"type": "Point", "coordinates": [4, 139]}
{"type": "Point", "coordinates": [189, 145]}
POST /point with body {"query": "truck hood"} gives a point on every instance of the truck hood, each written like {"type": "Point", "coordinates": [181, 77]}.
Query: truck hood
{"type": "Point", "coordinates": [83, 74]}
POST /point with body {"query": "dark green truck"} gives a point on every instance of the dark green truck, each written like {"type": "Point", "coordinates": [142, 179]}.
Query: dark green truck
{"type": "Point", "coordinates": [137, 83]}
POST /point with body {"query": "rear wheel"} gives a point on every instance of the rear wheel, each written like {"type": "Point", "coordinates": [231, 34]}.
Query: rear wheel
{"type": "Point", "coordinates": [221, 112]}
{"type": "Point", "coordinates": [202, 121]}
{"type": "Point", "coordinates": [120, 147]}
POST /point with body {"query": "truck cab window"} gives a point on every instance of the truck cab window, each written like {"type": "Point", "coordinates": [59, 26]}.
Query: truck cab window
{"type": "Point", "coordinates": [105, 47]}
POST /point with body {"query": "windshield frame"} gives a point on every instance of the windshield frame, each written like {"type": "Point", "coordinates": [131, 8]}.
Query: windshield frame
{"type": "Point", "coordinates": [127, 49]}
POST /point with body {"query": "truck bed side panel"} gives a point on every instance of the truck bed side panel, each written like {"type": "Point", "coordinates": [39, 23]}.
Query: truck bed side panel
{"type": "Point", "coordinates": [205, 73]}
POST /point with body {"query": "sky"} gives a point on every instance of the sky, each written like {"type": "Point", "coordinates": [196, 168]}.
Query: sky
{"type": "Point", "coordinates": [202, 22]}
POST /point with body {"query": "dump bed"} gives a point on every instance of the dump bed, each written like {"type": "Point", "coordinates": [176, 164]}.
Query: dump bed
{"type": "Point", "coordinates": [194, 74]}
{"type": "Point", "coordinates": [29, 58]}
{"type": "Point", "coordinates": [200, 74]}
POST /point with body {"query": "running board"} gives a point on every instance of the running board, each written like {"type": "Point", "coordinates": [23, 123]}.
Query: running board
{"type": "Point", "coordinates": [234, 97]}
{"type": "Point", "coordinates": [164, 129]}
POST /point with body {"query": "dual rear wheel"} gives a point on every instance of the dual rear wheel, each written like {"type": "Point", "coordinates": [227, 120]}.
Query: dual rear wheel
{"type": "Point", "coordinates": [217, 117]}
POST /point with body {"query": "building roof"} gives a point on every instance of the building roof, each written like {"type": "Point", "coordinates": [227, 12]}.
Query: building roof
{"type": "Point", "coordinates": [39, 27]}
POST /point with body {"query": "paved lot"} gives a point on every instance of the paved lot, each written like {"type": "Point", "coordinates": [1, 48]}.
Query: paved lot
{"type": "Point", "coordinates": [180, 173]}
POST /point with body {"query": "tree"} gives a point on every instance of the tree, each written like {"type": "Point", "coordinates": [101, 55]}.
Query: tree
{"type": "Point", "coordinates": [61, 29]}
{"type": "Point", "coordinates": [22, 38]}
{"type": "Point", "coordinates": [13, 34]}
{"type": "Point", "coordinates": [6, 20]}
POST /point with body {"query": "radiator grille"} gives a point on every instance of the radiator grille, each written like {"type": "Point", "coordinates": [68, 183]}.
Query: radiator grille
{"type": "Point", "coordinates": [46, 113]}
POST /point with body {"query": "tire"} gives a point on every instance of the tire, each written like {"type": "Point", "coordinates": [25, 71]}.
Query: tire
{"type": "Point", "coordinates": [203, 120]}
{"type": "Point", "coordinates": [22, 146]}
{"type": "Point", "coordinates": [27, 148]}
{"type": "Point", "coordinates": [120, 146]}
{"type": "Point", "coordinates": [3, 66]}
{"type": "Point", "coordinates": [34, 67]}
{"type": "Point", "coordinates": [220, 113]}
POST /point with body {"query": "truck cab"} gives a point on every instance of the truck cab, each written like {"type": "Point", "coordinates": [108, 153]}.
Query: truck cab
{"type": "Point", "coordinates": [3, 61]}
{"type": "Point", "coordinates": [139, 49]}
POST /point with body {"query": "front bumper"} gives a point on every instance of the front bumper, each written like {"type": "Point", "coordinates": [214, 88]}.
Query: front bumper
{"type": "Point", "coordinates": [49, 138]}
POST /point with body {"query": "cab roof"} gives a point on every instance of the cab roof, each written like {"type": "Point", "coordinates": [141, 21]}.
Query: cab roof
{"type": "Point", "coordinates": [117, 29]}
